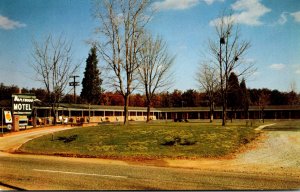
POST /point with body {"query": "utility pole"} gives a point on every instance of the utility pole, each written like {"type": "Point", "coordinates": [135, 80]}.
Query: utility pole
{"type": "Point", "coordinates": [74, 84]}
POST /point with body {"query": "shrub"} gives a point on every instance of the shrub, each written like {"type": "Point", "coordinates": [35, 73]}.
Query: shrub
{"type": "Point", "coordinates": [81, 120]}
{"type": "Point", "coordinates": [71, 120]}
{"type": "Point", "coordinates": [168, 140]}
{"type": "Point", "coordinates": [67, 139]}
{"type": "Point", "coordinates": [188, 141]}
{"type": "Point", "coordinates": [181, 139]}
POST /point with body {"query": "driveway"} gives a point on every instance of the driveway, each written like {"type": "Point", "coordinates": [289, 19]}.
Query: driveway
{"type": "Point", "coordinates": [274, 152]}
{"type": "Point", "coordinates": [13, 141]}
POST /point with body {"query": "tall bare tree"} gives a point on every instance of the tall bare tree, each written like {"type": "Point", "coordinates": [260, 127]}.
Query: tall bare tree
{"type": "Point", "coordinates": [154, 71]}
{"type": "Point", "coordinates": [52, 62]}
{"type": "Point", "coordinates": [263, 101]}
{"type": "Point", "coordinates": [228, 53]}
{"type": "Point", "coordinates": [122, 24]}
{"type": "Point", "coordinates": [209, 82]}
{"type": "Point", "coordinates": [292, 95]}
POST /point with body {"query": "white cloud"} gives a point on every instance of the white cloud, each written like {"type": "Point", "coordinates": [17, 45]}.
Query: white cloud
{"type": "Point", "coordinates": [218, 21]}
{"type": "Point", "coordinates": [180, 4]}
{"type": "Point", "coordinates": [175, 4]}
{"type": "Point", "coordinates": [296, 16]}
{"type": "Point", "coordinates": [252, 11]}
{"type": "Point", "coordinates": [7, 24]}
{"type": "Point", "coordinates": [285, 17]}
{"type": "Point", "coordinates": [209, 2]}
{"type": "Point", "coordinates": [277, 67]}
{"type": "Point", "coordinates": [249, 60]}
{"type": "Point", "coordinates": [296, 68]}
{"type": "Point", "coordinates": [282, 19]}
{"type": "Point", "coordinates": [256, 73]}
{"type": "Point", "coordinates": [249, 13]}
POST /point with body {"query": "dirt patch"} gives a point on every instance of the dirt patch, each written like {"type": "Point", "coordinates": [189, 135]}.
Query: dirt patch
{"type": "Point", "coordinates": [271, 153]}
{"type": "Point", "coordinates": [253, 145]}
{"type": "Point", "coordinates": [278, 149]}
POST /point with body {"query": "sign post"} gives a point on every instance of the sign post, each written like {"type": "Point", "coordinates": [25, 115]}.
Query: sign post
{"type": "Point", "coordinates": [2, 120]}
{"type": "Point", "coordinates": [8, 119]}
{"type": "Point", "coordinates": [22, 104]}
{"type": "Point", "coordinates": [15, 127]}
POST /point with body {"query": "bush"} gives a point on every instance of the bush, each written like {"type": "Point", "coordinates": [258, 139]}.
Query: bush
{"type": "Point", "coordinates": [188, 141]}
{"type": "Point", "coordinates": [181, 139]}
{"type": "Point", "coordinates": [67, 139]}
{"type": "Point", "coordinates": [81, 120]}
{"type": "Point", "coordinates": [168, 140]}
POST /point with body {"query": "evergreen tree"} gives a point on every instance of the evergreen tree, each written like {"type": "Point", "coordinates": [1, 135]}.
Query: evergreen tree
{"type": "Point", "coordinates": [91, 83]}
{"type": "Point", "coordinates": [234, 93]}
{"type": "Point", "coordinates": [245, 98]}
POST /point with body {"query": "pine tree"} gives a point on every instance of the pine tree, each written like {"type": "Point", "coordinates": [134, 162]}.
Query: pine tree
{"type": "Point", "coordinates": [245, 98]}
{"type": "Point", "coordinates": [91, 83]}
{"type": "Point", "coordinates": [234, 93]}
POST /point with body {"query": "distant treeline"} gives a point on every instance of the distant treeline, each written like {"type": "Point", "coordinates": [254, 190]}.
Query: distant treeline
{"type": "Point", "coordinates": [176, 98]}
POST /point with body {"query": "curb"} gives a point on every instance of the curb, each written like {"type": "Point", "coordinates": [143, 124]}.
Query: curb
{"type": "Point", "coordinates": [5, 187]}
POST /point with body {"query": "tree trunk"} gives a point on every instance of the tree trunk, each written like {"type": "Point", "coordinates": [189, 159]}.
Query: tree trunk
{"type": "Point", "coordinates": [224, 113]}
{"type": "Point", "coordinates": [148, 110]}
{"type": "Point", "coordinates": [263, 115]}
{"type": "Point", "coordinates": [211, 112]}
{"type": "Point", "coordinates": [54, 114]}
{"type": "Point", "coordinates": [225, 95]}
{"type": "Point", "coordinates": [126, 103]}
{"type": "Point", "coordinates": [34, 117]}
{"type": "Point", "coordinates": [231, 114]}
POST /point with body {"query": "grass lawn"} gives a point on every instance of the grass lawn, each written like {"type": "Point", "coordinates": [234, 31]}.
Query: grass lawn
{"type": "Point", "coordinates": [142, 140]}
{"type": "Point", "coordinates": [286, 125]}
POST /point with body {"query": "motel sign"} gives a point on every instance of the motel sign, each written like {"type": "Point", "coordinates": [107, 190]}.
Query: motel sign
{"type": "Point", "coordinates": [22, 104]}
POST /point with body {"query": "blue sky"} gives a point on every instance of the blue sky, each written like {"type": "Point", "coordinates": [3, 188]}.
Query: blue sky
{"type": "Point", "coordinates": [272, 27]}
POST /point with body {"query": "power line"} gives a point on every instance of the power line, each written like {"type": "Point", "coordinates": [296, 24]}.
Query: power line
{"type": "Point", "coordinates": [74, 83]}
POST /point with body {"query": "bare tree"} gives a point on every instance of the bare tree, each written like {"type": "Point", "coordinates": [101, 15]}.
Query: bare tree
{"type": "Point", "coordinates": [263, 101]}
{"type": "Point", "coordinates": [228, 52]}
{"type": "Point", "coordinates": [293, 86]}
{"type": "Point", "coordinates": [154, 71]}
{"type": "Point", "coordinates": [122, 24]}
{"type": "Point", "coordinates": [292, 95]}
{"type": "Point", "coordinates": [209, 82]}
{"type": "Point", "coordinates": [52, 62]}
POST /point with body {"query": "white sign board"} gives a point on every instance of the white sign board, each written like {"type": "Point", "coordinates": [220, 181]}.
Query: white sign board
{"type": "Point", "coordinates": [8, 117]}
{"type": "Point", "coordinates": [22, 104]}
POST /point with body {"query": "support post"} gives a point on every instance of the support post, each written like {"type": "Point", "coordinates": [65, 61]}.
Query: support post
{"type": "Point", "coordinates": [2, 120]}
{"type": "Point", "coordinates": [34, 117]}
{"type": "Point", "coordinates": [89, 113]}
{"type": "Point", "coordinates": [15, 123]}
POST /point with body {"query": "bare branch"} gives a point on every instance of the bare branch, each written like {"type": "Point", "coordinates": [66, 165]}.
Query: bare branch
{"type": "Point", "coordinates": [122, 24]}
{"type": "Point", "coordinates": [52, 62]}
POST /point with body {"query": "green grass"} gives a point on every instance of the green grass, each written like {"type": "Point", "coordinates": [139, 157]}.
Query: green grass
{"type": "Point", "coordinates": [285, 125]}
{"type": "Point", "coordinates": [141, 140]}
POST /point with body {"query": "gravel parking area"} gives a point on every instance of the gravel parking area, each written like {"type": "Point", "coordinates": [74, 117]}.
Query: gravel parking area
{"type": "Point", "coordinates": [274, 153]}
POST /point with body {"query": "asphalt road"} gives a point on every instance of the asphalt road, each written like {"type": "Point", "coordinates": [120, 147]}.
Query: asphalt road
{"type": "Point", "coordinates": [31, 172]}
